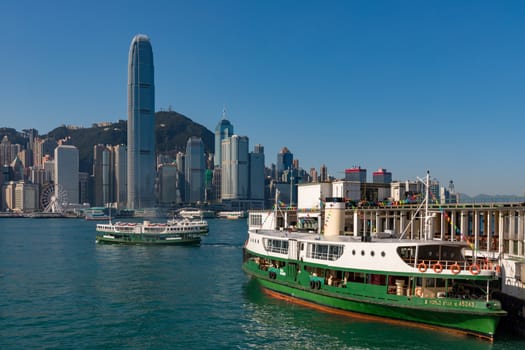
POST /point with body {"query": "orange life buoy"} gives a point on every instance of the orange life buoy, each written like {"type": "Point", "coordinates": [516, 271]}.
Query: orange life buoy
{"type": "Point", "coordinates": [422, 267]}
{"type": "Point", "coordinates": [474, 269]}
{"type": "Point", "coordinates": [454, 268]}
{"type": "Point", "coordinates": [497, 268]}
{"type": "Point", "coordinates": [437, 267]}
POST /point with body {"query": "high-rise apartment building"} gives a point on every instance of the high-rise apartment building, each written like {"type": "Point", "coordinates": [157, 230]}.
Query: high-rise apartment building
{"type": "Point", "coordinates": [141, 125]}
{"type": "Point", "coordinates": [313, 175]}
{"type": "Point", "coordinates": [66, 171]}
{"type": "Point", "coordinates": [324, 174]}
{"type": "Point", "coordinates": [8, 151]}
{"type": "Point", "coordinates": [41, 149]}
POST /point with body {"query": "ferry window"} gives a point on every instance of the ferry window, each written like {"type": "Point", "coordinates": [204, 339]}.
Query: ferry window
{"type": "Point", "coordinates": [353, 251]}
{"type": "Point", "coordinates": [372, 253]}
{"type": "Point", "coordinates": [320, 251]}
{"type": "Point", "coordinates": [276, 246]}
{"type": "Point", "coordinates": [325, 251]}
{"type": "Point", "coordinates": [406, 252]}
{"type": "Point", "coordinates": [362, 252]}
{"type": "Point", "coordinates": [383, 254]}
{"type": "Point", "coordinates": [335, 251]}
{"type": "Point", "coordinates": [255, 220]}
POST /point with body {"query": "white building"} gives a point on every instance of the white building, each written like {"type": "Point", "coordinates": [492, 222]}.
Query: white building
{"type": "Point", "coordinates": [310, 195]}
{"type": "Point", "coordinates": [349, 190]}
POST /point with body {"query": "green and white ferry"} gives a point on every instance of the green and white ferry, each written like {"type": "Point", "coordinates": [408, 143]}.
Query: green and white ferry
{"type": "Point", "coordinates": [174, 232]}
{"type": "Point", "coordinates": [425, 283]}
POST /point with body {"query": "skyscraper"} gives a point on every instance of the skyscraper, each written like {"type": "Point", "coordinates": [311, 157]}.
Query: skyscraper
{"type": "Point", "coordinates": [101, 171]}
{"type": "Point", "coordinates": [66, 172]}
{"type": "Point", "coordinates": [223, 130]}
{"type": "Point", "coordinates": [257, 173]}
{"type": "Point", "coordinates": [355, 174]}
{"type": "Point", "coordinates": [235, 168]}
{"type": "Point", "coordinates": [141, 124]}
{"type": "Point", "coordinates": [284, 162]}
{"type": "Point", "coordinates": [381, 176]}
{"type": "Point", "coordinates": [194, 170]}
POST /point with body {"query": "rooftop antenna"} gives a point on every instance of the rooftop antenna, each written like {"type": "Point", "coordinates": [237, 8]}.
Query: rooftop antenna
{"type": "Point", "coordinates": [224, 112]}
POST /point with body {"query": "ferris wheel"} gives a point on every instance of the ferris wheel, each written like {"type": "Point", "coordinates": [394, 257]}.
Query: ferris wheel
{"type": "Point", "coordinates": [53, 199]}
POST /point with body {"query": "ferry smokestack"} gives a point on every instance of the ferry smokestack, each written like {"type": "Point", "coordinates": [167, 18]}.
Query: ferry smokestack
{"type": "Point", "coordinates": [334, 216]}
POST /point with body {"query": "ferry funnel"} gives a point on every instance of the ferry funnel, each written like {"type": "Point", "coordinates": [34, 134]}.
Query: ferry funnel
{"type": "Point", "coordinates": [334, 216]}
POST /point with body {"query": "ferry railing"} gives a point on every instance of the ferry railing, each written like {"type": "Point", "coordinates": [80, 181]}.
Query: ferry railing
{"type": "Point", "coordinates": [455, 266]}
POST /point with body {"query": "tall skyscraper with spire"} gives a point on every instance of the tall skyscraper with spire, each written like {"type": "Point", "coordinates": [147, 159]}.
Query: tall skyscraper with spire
{"type": "Point", "coordinates": [223, 130]}
{"type": "Point", "coordinates": [141, 124]}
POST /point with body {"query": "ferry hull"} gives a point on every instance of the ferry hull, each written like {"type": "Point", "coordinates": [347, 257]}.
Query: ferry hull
{"type": "Point", "coordinates": [142, 240]}
{"type": "Point", "coordinates": [482, 325]}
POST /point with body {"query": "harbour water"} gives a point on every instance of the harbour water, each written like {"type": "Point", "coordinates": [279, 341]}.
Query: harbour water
{"type": "Point", "coordinates": [61, 290]}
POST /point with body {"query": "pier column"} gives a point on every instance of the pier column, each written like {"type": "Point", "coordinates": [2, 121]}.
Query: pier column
{"type": "Point", "coordinates": [356, 222]}
{"type": "Point", "coordinates": [378, 225]}
{"type": "Point", "coordinates": [512, 231]}
{"type": "Point", "coordinates": [520, 232]}
{"type": "Point", "coordinates": [413, 227]}
{"type": "Point", "coordinates": [476, 229]}
{"type": "Point", "coordinates": [501, 244]}
{"type": "Point", "coordinates": [365, 223]}
{"type": "Point", "coordinates": [463, 225]}
{"type": "Point", "coordinates": [402, 221]}
{"type": "Point", "coordinates": [453, 215]}
{"type": "Point", "coordinates": [443, 227]}
{"type": "Point", "coordinates": [489, 233]}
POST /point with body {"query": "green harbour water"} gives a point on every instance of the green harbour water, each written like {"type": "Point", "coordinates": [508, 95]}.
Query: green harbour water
{"type": "Point", "coordinates": [61, 290]}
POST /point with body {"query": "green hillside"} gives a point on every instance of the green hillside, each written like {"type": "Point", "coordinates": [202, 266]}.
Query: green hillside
{"type": "Point", "coordinates": [172, 131]}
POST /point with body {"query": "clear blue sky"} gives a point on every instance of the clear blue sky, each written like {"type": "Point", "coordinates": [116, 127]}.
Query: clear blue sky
{"type": "Point", "coordinates": [409, 86]}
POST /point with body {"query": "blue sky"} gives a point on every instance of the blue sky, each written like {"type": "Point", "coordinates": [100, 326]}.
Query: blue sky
{"type": "Point", "coordinates": [409, 86]}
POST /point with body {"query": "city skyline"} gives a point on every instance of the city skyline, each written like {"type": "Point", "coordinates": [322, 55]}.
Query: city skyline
{"type": "Point", "coordinates": [407, 86]}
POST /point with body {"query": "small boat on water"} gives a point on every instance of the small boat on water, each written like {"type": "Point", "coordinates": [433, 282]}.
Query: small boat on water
{"type": "Point", "coordinates": [98, 214]}
{"type": "Point", "coordinates": [173, 232]}
{"type": "Point", "coordinates": [195, 213]}
{"type": "Point", "coordinates": [97, 217]}
{"type": "Point", "coordinates": [232, 215]}
{"type": "Point", "coordinates": [427, 283]}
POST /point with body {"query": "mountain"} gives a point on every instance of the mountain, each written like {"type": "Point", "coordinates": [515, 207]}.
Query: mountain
{"type": "Point", "coordinates": [487, 198]}
{"type": "Point", "coordinates": [172, 131]}
{"type": "Point", "coordinates": [14, 136]}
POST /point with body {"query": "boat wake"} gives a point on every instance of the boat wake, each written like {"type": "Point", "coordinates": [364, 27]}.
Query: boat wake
{"type": "Point", "coordinates": [222, 244]}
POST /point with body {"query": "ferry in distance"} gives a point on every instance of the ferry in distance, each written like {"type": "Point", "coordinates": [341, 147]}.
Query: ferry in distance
{"type": "Point", "coordinates": [173, 232]}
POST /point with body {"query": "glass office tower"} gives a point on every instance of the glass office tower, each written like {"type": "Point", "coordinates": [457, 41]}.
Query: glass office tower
{"type": "Point", "coordinates": [141, 125]}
